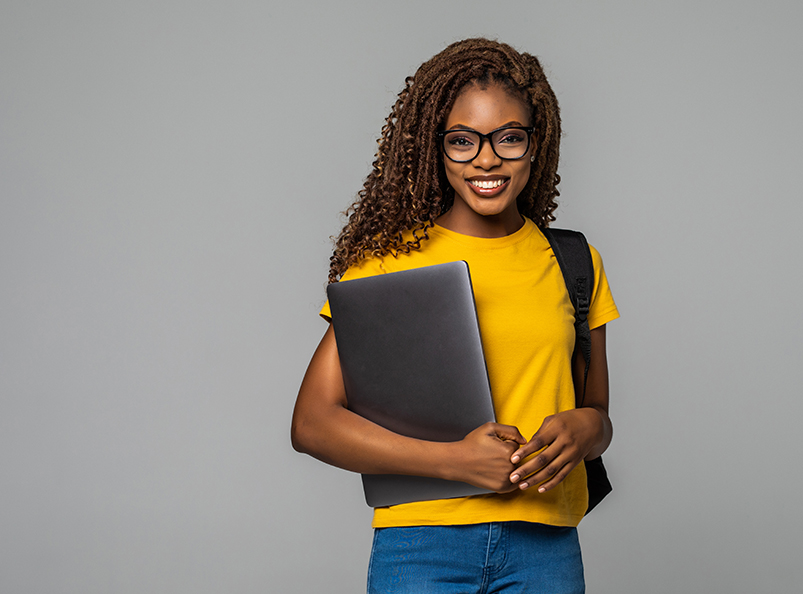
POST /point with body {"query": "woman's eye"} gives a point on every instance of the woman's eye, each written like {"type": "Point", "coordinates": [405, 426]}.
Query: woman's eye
{"type": "Point", "coordinates": [459, 141]}
{"type": "Point", "coordinates": [511, 138]}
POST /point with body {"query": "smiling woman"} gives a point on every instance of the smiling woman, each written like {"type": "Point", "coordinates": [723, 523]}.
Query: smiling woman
{"type": "Point", "coordinates": [487, 180]}
{"type": "Point", "coordinates": [467, 170]}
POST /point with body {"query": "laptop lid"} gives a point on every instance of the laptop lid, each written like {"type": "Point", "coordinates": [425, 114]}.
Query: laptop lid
{"type": "Point", "coordinates": [412, 361]}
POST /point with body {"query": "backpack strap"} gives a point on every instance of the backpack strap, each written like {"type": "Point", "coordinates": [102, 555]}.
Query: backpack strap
{"type": "Point", "coordinates": [574, 257]}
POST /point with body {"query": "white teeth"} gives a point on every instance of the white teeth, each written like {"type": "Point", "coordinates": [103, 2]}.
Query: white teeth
{"type": "Point", "coordinates": [487, 185]}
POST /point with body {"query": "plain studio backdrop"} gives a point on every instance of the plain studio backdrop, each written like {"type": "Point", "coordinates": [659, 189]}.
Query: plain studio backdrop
{"type": "Point", "coordinates": [170, 174]}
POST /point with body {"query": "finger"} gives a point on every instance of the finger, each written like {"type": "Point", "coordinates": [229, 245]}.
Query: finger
{"type": "Point", "coordinates": [509, 433]}
{"type": "Point", "coordinates": [542, 438]}
{"type": "Point", "coordinates": [551, 475]}
{"type": "Point", "coordinates": [547, 433]}
{"type": "Point", "coordinates": [542, 461]}
{"type": "Point", "coordinates": [556, 479]}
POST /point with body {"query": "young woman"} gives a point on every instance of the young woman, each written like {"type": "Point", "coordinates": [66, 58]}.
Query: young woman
{"type": "Point", "coordinates": [467, 170]}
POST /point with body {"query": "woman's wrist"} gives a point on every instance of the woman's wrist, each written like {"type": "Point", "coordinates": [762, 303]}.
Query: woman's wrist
{"type": "Point", "coordinates": [601, 433]}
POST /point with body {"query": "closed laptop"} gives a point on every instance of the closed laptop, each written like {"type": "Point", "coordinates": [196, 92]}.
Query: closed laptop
{"type": "Point", "coordinates": [412, 361]}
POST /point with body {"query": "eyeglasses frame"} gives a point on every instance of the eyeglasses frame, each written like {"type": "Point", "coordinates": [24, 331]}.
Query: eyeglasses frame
{"type": "Point", "coordinates": [528, 129]}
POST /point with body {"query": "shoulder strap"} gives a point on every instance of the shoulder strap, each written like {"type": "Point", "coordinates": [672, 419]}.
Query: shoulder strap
{"type": "Point", "coordinates": [574, 257]}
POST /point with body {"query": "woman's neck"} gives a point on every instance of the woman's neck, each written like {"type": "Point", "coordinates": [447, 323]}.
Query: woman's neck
{"type": "Point", "coordinates": [489, 227]}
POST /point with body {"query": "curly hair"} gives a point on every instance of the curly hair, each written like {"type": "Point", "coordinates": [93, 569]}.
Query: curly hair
{"type": "Point", "coordinates": [407, 188]}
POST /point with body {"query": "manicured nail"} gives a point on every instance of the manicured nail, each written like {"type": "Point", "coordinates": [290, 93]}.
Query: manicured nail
{"type": "Point", "coordinates": [542, 489]}
{"type": "Point", "coordinates": [515, 458]}
{"type": "Point", "coordinates": [514, 478]}
{"type": "Point", "coordinates": [523, 486]}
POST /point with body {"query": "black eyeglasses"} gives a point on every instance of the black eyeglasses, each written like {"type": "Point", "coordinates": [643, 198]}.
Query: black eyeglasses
{"type": "Point", "coordinates": [462, 146]}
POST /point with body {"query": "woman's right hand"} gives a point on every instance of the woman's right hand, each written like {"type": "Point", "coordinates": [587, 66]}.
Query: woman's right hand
{"type": "Point", "coordinates": [482, 458]}
{"type": "Point", "coordinates": [325, 428]}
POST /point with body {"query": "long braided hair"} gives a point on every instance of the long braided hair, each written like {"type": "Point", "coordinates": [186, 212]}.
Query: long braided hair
{"type": "Point", "coordinates": [407, 188]}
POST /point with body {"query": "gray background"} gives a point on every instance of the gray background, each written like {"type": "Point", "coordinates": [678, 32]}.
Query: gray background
{"type": "Point", "coordinates": [170, 173]}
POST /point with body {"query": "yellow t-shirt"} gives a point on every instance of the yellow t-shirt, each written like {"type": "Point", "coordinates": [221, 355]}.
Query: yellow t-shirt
{"type": "Point", "coordinates": [527, 325]}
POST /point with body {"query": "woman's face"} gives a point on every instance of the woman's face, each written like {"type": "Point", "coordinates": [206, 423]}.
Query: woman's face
{"type": "Point", "coordinates": [486, 188]}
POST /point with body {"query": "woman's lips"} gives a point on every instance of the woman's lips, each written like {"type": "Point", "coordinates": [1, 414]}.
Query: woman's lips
{"type": "Point", "coordinates": [488, 187]}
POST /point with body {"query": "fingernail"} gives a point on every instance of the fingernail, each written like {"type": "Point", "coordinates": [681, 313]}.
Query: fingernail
{"type": "Point", "coordinates": [514, 478]}
{"type": "Point", "coordinates": [515, 459]}
{"type": "Point", "coordinates": [523, 486]}
{"type": "Point", "coordinates": [542, 489]}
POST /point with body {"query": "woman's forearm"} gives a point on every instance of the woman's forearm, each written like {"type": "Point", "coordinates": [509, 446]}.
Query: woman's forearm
{"type": "Point", "coordinates": [325, 428]}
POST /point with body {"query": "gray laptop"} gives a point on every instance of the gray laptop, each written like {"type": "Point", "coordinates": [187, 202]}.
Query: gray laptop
{"type": "Point", "coordinates": [412, 361]}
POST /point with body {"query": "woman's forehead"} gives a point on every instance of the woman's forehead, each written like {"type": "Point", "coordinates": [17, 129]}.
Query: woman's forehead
{"type": "Point", "coordinates": [487, 105]}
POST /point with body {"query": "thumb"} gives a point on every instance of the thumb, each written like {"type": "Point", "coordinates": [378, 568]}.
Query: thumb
{"type": "Point", "coordinates": [509, 433]}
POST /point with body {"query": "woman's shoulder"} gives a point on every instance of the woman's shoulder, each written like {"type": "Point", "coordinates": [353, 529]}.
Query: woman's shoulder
{"type": "Point", "coordinates": [595, 256]}
{"type": "Point", "coordinates": [365, 267]}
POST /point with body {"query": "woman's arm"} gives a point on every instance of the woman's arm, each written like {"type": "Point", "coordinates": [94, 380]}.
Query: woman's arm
{"type": "Point", "coordinates": [325, 428]}
{"type": "Point", "coordinates": [596, 395]}
{"type": "Point", "coordinates": [568, 437]}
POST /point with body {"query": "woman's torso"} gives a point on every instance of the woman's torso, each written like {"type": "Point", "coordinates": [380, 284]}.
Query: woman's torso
{"type": "Point", "coordinates": [527, 327]}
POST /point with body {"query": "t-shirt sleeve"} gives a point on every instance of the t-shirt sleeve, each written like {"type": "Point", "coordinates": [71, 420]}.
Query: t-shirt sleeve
{"type": "Point", "coordinates": [365, 268]}
{"type": "Point", "coordinates": [325, 312]}
{"type": "Point", "coordinates": [603, 308]}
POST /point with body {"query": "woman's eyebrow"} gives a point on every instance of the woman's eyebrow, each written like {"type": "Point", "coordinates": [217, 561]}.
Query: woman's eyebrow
{"type": "Point", "coordinates": [461, 127]}
{"type": "Point", "coordinates": [505, 125]}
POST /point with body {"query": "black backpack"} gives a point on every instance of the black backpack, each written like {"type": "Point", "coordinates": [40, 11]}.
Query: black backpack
{"type": "Point", "coordinates": [574, 257]}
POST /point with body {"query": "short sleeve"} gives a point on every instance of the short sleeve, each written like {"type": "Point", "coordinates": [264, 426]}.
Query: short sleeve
{"type": "Point", "coordinates": [603, 308]}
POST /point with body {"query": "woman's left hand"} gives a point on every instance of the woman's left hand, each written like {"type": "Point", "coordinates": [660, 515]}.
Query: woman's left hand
{"type": "Point", "coordinates": [572, 435]}
{"type": "Point", "coordinates": [562, 441]}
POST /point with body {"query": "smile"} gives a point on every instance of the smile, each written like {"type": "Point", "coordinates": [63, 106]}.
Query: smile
{"type": "Point", "coordinates": [487, 185]}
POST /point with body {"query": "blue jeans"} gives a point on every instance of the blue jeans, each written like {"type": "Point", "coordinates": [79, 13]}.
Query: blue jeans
{"type": "Point", "coordinates": [509, 557]}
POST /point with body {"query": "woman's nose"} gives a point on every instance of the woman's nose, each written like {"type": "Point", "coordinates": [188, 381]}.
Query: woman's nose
{"type": "Point", "coordinates": [486, 158]}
